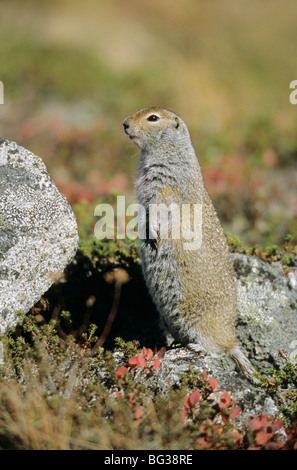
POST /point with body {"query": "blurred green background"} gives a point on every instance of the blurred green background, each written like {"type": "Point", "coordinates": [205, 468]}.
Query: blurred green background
{"type": "Point", "coordinates": [73, 70]}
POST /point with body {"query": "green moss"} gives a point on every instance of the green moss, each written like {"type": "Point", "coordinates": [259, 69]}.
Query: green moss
{"type": "Point", "coordinates": [286, 253]}
{"type": "Point", "coordinates": [281, 384]}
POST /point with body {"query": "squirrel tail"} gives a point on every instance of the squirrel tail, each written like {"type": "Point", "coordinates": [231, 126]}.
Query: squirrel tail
{"type": "Point", "coordinates": [235, 353]}
{"type": "Point", "coordinates": [243, 363]}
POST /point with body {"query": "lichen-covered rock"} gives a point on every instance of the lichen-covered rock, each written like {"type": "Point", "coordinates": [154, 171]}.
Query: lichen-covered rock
{"type": "Point", "coordinates": [267, 312]}
{"type": "Point", "coordinates": [177, 362]}
{"type": "Point", "coordinates": [38, 232]}
{"type": "Point", "coordinates": [267, 309]}
{"type": "Point", "coordinates": [267, 323]}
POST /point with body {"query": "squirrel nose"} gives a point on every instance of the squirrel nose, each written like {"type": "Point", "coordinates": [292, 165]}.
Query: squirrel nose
{"type": "Point", "coordinates": [126, 125]}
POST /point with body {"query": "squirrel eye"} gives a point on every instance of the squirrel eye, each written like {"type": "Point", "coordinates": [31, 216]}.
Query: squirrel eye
{"type": "Point", "coordinates": [153, 117]}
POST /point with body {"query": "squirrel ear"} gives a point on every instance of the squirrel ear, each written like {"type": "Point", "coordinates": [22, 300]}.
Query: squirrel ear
{"type": "Point", "coordinates": [177, 122]}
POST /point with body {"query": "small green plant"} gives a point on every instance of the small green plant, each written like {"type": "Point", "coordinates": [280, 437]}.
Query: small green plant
{"type": "Point", "coordinates": [58, 395]}
{"type": "Point", "coordinates": [282, 384]}
{"type": "Point", "coordinates": [286, 253]}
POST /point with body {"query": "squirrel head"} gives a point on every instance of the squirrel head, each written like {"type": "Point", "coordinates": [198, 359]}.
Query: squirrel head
{"type": "Point", "coordinates": [151, 128]}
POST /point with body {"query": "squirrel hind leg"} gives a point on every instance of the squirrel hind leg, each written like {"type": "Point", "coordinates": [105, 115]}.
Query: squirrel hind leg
{"type": "Point", "coordinates": [243, 364]}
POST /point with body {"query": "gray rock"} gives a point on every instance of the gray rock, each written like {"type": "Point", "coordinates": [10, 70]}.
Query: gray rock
{"type": "Point", "coordinates": [176, 362]}
{"type": "Point", "coordinates": [267, 322]}
{"type": "Point", "coordinates": [38, 232]}
{"type": "Point", "coordinates": [267, 310]}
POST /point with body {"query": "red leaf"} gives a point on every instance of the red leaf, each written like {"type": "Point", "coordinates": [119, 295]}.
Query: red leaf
{"type": "Point", "coordinates": [255, 424]}
{"type": "Point", "coordinates": [186, 402]}
{"type": "Point", "coordinates": [203, 375]}
{"type": "Point", "coordinates": [213, 383]}
{"type": "Point", "coordinates": [157, 363]}
{"type": "Point", "coordinates": [193, 399]}
{"type": "Point", "coordinates": [147, 353]}
{"type": "Point", "coordinates": [262, 437]}
{"type": "Point", "coordinates": [183, 413]}
{"type": "Point", "coordinates": [203, 443]}
{"type": "Point", "coordinates": [138, 412]}
{"type": "Point", "coordinates": [225, 400]}
{"type": "Point", "coordinates": [121, 371]}
{"type": "Point", "coordinates": [141, 361]}
{"type": "Point", "coordinates": [278, 424]}
{"type": "Point", "coordinates": [234, 412]}
{"type": "Point", "coordinates": [133, 362]}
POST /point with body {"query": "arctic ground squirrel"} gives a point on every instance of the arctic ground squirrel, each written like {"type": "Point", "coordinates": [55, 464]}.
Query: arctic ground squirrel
{"type": "Point", "coordinates": [191, 282]}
